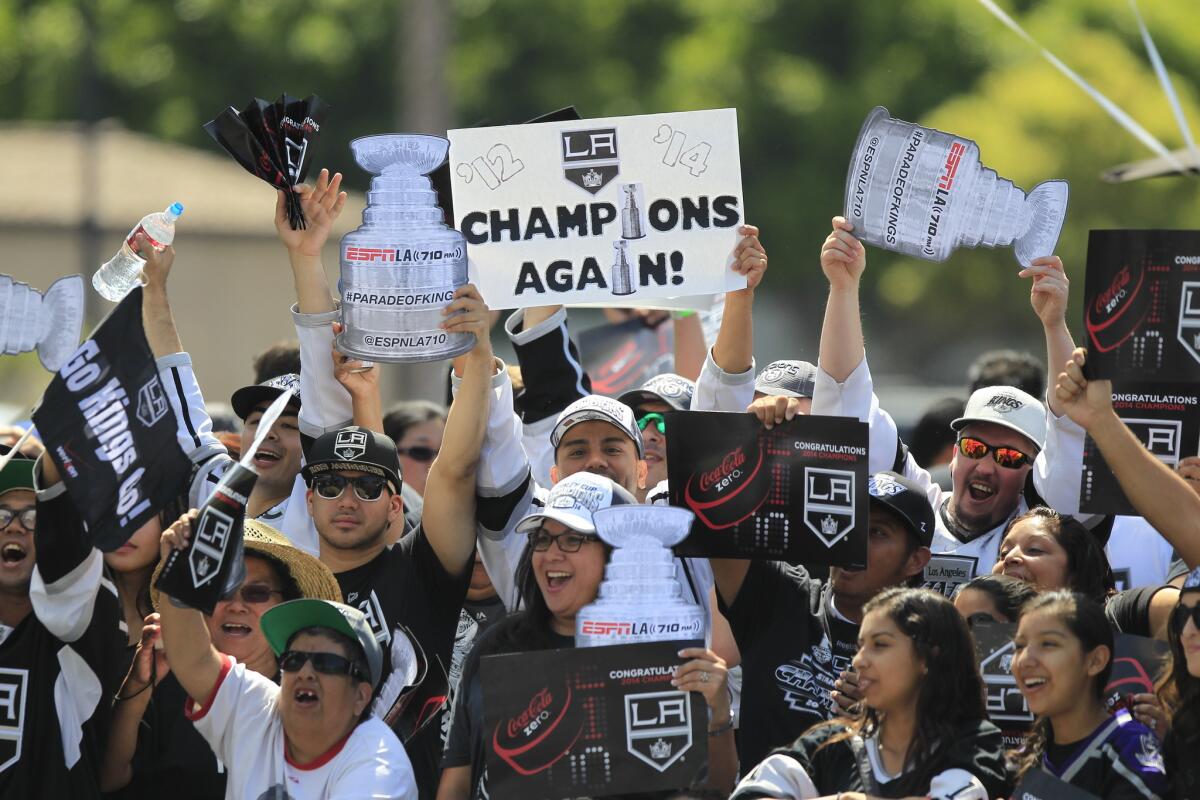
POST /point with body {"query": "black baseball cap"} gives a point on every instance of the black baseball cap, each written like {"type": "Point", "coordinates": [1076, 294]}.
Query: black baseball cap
{"type": "Point", "coordinates": [247, 398]}
{"type": "Point", "coordinates": [674, 390]}
{"type": "Point", "coordinates": [906, 499]}
{"type": "Point", "coordinates": [356, 448]}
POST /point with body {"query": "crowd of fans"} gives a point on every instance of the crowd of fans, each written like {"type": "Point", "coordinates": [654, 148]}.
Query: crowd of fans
{"type": "Point", "coordinates": [445, 535]}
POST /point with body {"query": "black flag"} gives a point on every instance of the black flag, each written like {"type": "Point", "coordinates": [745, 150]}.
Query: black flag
{"type": "Point", "coordinates": [107, 423]}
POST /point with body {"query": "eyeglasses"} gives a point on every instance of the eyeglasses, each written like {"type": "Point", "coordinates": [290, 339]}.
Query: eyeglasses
{"type": "Point", "coordinates": [256, 593]}
{"type": "Point", "coordinates": [568, 542]}
{"type": "Point", "coordinates": [418, 453]}
{"type": "Point", "coordinates": [28, 517]}
{"type": "Point", "coordinates": [1007, 457]}
{"type": "Point", "coordinates": [656, 418]}
{"type": "Point", "coordinates": [366, 487]}
{"type": "Point", "coordinates": [324, 663]}
{"type": "Point", "coordinates": [1181, 614]}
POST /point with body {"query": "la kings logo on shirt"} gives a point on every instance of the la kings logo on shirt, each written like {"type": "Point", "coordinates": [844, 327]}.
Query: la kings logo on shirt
{"type": "Point", "coordinates": [806, 682]}
{"type": "Point", "coordinates": [373, 609]}
{"type": "Point", "coordinates": [13, 685]}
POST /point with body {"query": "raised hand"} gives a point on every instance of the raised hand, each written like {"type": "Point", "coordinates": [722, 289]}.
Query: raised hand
{"type": "Point", "coordinates": [1050, 289]}
{"type": "Point", "coordinates": [149, 660]}
{"type": "Point", "coordinates": [322, 205]}
{"type": "Point", "coordinates": [772, 411]}
{"type": "Point", "coordinates": [843, 257]}
{"type": "Point", "coordinates": [359, 378]}
{"type": "Point", "coordinates": [469, 314]}
{"type": "Point", "coordinates": [750, 258]}
{"type": "Point", "coordinates": [158, 264]}
{"type": "Point", "coordinates": [1085, 402]}
{"type": "Point", "coordinates": [706, 673]}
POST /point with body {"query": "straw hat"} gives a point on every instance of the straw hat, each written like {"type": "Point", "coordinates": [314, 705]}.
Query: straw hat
{"type": "Point", "coordinates": [312, 578]}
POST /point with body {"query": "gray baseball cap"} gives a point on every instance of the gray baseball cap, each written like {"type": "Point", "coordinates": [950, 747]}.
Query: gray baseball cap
{"type": "Point", "coordinates": [280, 624]}
{"type": "Point", "coordinates": [1008, 407]}
{"type": "Point", "coordinates": [787, 379]}
{"type": "Point", "coordinates": [574, 499]}
{"type": "Point", "coordinates": [601, 408]}
{"type": "Point", "coordinates": [674, 390]}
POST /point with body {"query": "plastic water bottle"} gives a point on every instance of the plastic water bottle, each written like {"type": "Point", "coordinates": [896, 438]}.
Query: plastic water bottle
{"type": "Point", "coordinates": [114, 279]}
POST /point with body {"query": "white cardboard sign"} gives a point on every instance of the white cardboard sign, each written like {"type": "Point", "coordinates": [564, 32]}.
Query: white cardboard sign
{"type": "Point", "coordinates": [620, 211]}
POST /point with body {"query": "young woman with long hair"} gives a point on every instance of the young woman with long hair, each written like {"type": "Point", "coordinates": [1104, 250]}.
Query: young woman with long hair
{"type": "Point", "coordinates": [1179, 693]}
{"type": "Point", "coordinates": [1053, 552]}
{"type": "Point", "coordinates": [993, 598]}
{"type": "Point", "coordinates": [922, 729]}
{"type": "Point", "coordinates": [559, 574]}
{"type": "Point", "coordinates": [1062, 660]}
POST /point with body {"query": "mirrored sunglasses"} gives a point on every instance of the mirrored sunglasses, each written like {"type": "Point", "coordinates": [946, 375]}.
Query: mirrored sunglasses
{"type": "Point", "coordinates": [653, 417]}
{"type": "Point", "coordinates": [366, 487]}
{"type": "Point", "coordinates": [1007, 457]}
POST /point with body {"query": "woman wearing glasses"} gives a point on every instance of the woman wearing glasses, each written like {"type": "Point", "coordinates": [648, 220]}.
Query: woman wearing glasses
{"type": "Point", "coordinates": [152, 747]}
{"type": "Point", "coordinates": [560, 573]}
{"type": "Point", "coordinates": [416, 427]}
{"type": "Point", "coordinates": [1179, 692]}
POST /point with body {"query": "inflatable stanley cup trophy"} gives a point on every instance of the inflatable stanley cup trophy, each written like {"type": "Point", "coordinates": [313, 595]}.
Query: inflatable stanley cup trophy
{"type": "Point", "coordinates": [401, 266]}
{"type": "Point", "coordinates": [49, 323]}
{"type": "Point", "coordinates": [640, 599]}
{"type": "Point", "coordinates": [923, 192]}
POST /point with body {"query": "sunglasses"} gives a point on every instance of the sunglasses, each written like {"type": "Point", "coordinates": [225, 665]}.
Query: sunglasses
{"type": "Point", "coordinates": [366, 487]}
{"type": "Point", "coordinates": [324, 663]}
{"type": "Point", "coordinates": [569, 542]}
{"type": "Point", "coordinates": [27, 516]}
{"type": "Point", "coordinates": [1007, 457]}
{"type": "Point", "coordinates": [1181, 614]}
{"type": "Point", "coordinates": [656, 418]}
{"type": "Point", "coordinates": [418, 453]}
{"type": "Point", "coordinates": [255, 594]}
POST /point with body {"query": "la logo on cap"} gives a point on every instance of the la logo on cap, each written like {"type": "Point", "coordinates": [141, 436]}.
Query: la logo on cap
{"type": "Point", "coordinates": [350, 445]}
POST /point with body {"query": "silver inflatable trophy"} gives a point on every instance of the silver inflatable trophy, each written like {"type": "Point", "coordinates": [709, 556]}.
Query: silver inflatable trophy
{"type": "Point", "coordinates": [622, 273]}
{"type": "Point", "coordinates": [49, 323]}
{"type": "Point", "coordinates": [923, 192]}
{"type": "Point", "coordinates": [401, 266]}
{"type": "Point", "coordinates": [640, 599]}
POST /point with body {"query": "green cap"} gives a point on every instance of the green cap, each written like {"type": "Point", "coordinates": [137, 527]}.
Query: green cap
{"type": "Point", "coordinates": [17, 474]}
{"type": "Point", "coordinates": [280, 624]}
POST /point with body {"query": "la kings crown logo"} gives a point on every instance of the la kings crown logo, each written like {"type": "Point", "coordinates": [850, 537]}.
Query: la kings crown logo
{"type": "Point", "coordinates": [589, 158]}
{"type": "Point", "coordinates": [658, 727]}
{"type": "Point", "coordinates": [350, 445]}
{"type": "Point", "coordinates": [829, 503]}
{"type": "Point", "coordinates": [13, 685]}
{"type": "Point", "coordinates": [1188, 332]}
{"type": "Point", "coordinates": [212, 537]}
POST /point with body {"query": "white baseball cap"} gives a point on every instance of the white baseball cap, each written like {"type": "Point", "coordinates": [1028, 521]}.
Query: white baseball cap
{"type": "Point", "coordinates": [574, 499]}
{"type": "Point", "coordinates": [1009, 407]}
{"type": "Point", "coordinates": [604, 409]}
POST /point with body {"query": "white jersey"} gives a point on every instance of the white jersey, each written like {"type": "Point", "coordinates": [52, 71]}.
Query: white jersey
{"type": "Point", "coordinates": [1139, 555]}
{"type": "Point", "coordinates": [242, 724]}
{"type": "Point", "coordinates": [957, 556]}
{"type": "Point", "coordinates": [504, 477]}
{"type": "Point", "coordinates": [326, 407]}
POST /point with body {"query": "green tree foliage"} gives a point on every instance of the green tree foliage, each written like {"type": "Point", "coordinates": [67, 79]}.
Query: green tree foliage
{"type": "Point", "coordinates": [802, 75]}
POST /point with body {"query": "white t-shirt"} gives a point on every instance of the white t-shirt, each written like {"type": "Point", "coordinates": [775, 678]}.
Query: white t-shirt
{"type": "Point", "coordinates": [242, 725]}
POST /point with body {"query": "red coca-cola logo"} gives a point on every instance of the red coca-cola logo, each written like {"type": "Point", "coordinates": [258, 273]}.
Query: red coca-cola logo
{"type": "Point", "coordinates": [539, 703]}
{"type": "Point", "coordinates": [727, 467]}
{"type": "Point", "coordinates": [1116, 313]}
{"type": "Point", "coordinates": [542, 733]}
{"type": "Point", "coordinates": [723, 495]}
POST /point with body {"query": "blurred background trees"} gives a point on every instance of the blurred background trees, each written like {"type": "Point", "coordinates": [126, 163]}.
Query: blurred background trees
{"type": "Point", "coordinates": [802, 76]}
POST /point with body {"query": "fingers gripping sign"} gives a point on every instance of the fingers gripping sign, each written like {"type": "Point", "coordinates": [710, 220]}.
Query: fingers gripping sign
{"type": "Point", "coordinates": [843, 256]}
{"type": "Point", "coordinates": [750, 257]}
{"type": "Point", "coordinates": [322, 205]}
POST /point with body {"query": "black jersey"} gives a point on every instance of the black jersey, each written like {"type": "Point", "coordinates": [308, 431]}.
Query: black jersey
{"type": "Point", "coordinates": [59, 667]}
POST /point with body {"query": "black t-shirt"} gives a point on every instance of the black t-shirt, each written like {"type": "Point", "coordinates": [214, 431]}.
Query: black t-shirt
{"type": "Point", "coordinates": [1183, 771]}
{"type": "Point", "coordinates": [1129, 611]}
{"type": "Point", "coordinates": [842, 766]}
{"type": "Point", "coordinates": [474, 619]}
{"type": "Point", "coordinates": [407, 585]}
{"type": "Point", "coordinates": [466, 743]}
{"type": "Point", "coordinates": [793, 648]}
{"type": "Point", "coordinates": [59, 671]}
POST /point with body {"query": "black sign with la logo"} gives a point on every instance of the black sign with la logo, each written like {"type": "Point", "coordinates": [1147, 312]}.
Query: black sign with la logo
{"type": "Point", "coordinates": [589, 158]}
{"type": "Point", "coordinates": [13, 686]}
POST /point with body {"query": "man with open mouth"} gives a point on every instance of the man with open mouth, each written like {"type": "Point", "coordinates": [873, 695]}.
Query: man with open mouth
{"type": "Point", "coordinates": [1009, 444]}
{"type": "Point", "coordinates": [59, 639]}
{"type": "Point", "coordinates": [312, 735]}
